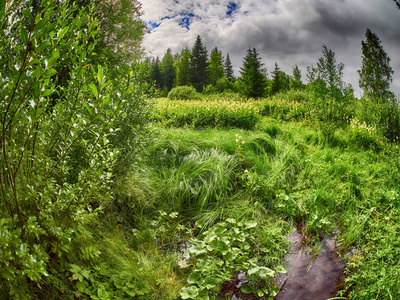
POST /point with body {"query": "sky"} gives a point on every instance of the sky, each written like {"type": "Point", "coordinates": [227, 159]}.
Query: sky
{"type": "Point", "coordinates": [289, 32]}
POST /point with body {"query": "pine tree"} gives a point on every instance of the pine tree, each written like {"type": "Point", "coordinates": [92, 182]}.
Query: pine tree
{"type": "Point", "coordinates": [215, 66]}
{"type": "Point", "coordinates": [183, 74]}
{"type": "Point", "coordinates": [168, 72]}
{"type": "Point", "coordinates": [199, 65]}
{"type": "Point", "coordinates": [376, 72]}
{"type": "Point", "coordinates": [252, 81]}
{"type": "Point", "coordinates": [229, 69]}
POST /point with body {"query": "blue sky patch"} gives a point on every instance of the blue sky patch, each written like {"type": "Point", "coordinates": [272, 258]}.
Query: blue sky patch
{"type": "Point", "coordinates": [185, 21]}
{"type": "Point", "coordinates": [151, 25]}
{"type": "Point", "coordinates": [232, 7]}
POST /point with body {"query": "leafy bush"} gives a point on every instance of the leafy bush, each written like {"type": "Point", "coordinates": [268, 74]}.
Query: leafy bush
{"type": "Point", "coordinates": [183, 93]}
{"type": "Point", "coordinates": [57, 160]}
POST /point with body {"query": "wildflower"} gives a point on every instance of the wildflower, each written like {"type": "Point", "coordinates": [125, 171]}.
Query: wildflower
{"type": "Point", "coordinates": [237, 141]}
{"type": "Point", "coordinates": [243, 142]}
{"type": "Point", "coordinates": [246, 171]}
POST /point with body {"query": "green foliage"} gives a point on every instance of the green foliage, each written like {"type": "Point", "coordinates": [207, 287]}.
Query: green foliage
{"type": "Point", "coordinates": [287, 110]}
{"type": "Point", "coordinates": [221, 113]}
{"type": "Point", "coordinates": [252, 82]}
{"type": "Point", "coordinates": [215, 66]}
{"type": "Point", "coordinates": [168, 71]}
{"type": "Point", "coordinates": [155, 76]}
{"type": "Point", "coordinates": [295, 80]}
{"type": "Point", "coordinates": [330, 96]}
{"type": "Point", "coordinates": [224, 85]}
{"type": "Point", "coordinates": [183, 93]}
{"type": "Point", "coordinates": [376, 72]}
{"type": "Point", "coordinates": [198, 65]}
{"type": "Point", "coordinates": [228, 69]}
{"type": "Point", "coordinates": [226, 249]}
{"type": "Point", "coordinates": [279, 83]}
{"type": "Point", "coordinates": [183, 75]}
{"type": "Point", "coordinates": [121, 31]}
{"type": "Point", "coordinates": [58, 156]}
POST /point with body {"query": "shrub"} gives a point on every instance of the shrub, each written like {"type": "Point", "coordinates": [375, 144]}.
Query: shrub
{"type": "Point", "coordinates": [183, 93]}
{"type": "Point", "coordinates": [57, 157]}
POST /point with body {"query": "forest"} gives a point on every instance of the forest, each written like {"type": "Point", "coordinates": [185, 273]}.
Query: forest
{"type": "Point", "coordinates": [124, 176]}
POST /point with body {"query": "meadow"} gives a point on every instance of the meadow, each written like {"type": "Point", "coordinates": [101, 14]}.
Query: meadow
{"type": "Point", "coordinates": [223, 182]}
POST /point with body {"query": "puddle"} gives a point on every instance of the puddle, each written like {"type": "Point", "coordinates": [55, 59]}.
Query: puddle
{"type": "Point", "coordinates": [309, 279]}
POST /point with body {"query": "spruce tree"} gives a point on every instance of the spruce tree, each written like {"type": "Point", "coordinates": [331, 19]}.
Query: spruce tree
{"type": "Point", "coordinates": [252, 81]}
{"type": "Point", "coordinates": [199, 65]}
{"type": "Point", "coordinates": [168, 72]}
{"type": "Point", "coordinates": [229, 69]}
{"type": "Point", "coordinates": [215, 66]}
{"type": "Point", "coordinates": [275, 86]}
{"type": "Point", "coordinates": [183, 76]}
{"type": "Point", "coordinates": [376, 72]}
{"type": "Point", "coordinates": [155, 72]}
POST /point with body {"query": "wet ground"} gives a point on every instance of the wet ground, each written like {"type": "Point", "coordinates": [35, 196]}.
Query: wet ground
{"type": "Point", "coordinates": [309, 279]}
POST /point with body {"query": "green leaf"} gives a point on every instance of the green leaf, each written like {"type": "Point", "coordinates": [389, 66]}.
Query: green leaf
{"type": "Point", "coordinates": [260, 293]}
{"type": "Point", "coordinates": [189, 293]}
{"type": "Point", "coordinates": [100, 74]}
{"type": "Point", "coordinates": [266, 273]}
{"type": "Point", "coordinates": [193, 278]}
{"type": "Point", "coordinates": [250, 224]}
{"type": "Point", "coordinates": [43, 45]}
{"type": "Point", "coordinates": [280, 269]}
{"type": "Point", "coordinates": [232, 221]}
{"type": "Point", "coordinates": [246, 288]}
{"type": "Point", "coordinates": [93, 88]}
{"type": "Point", "coordinates": [24, 35]}
{"type": "Point", "coordinates": [198, 249]}
{"type": "Point", "coordinates": [49, 73]}
{"type": "Point", "coordinates": [39, 26]}
{"type": "Point", "coordinates": [53, 57]}
{"type": "Point", "coordinates": [62, 32]}
{"type": "Point", "coordinates": [211, 283]}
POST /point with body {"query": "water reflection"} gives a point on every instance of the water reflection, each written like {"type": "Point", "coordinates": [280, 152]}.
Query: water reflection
{"type": "Point", "coordinates": [309, 279]}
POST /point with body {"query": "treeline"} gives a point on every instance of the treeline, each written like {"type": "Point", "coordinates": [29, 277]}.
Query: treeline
{"type": "Point", "coordinates": [210, 74]}
{"type": "Point", "coordinates": [214, 73]}
{"type": "Point", "coordinates": [192, 72]}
